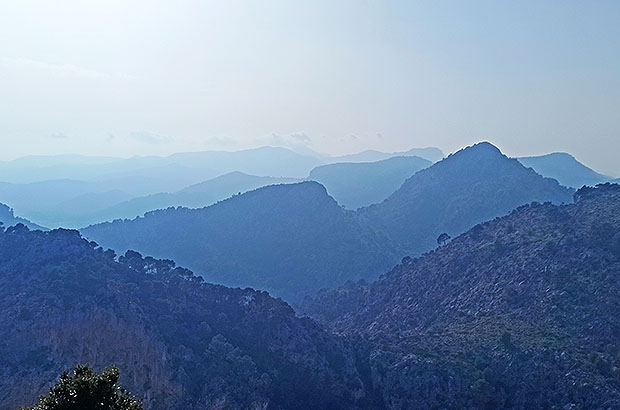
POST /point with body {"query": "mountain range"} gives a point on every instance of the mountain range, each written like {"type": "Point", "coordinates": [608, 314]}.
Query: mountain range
{"type": "Point", "coordinates": [75, 191]}
{"type": "Point", "coordinates": [293, 240]}
{"type": "Point", "coordinates": [518, 312]}
{"type": "Point", "coordinates": [45, 189]}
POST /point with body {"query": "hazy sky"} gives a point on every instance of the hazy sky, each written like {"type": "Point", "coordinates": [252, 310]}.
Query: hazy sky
{"type": "Point", "coordinates": [143, 77]}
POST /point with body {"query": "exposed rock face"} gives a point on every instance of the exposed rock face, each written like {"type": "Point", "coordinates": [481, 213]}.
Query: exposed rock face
{"type": "Point", "coordinates": [180, 343]}
{"type": "Point", "coordinates": [520, 312]}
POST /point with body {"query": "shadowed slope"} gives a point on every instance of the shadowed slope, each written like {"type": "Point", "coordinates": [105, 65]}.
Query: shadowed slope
{"type": "Point", "coordinates": [289, 239]}
{"type": "Point", "coordinates": [473, 185]}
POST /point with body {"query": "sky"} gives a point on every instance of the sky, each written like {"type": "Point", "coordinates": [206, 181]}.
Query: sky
{"type": "Point", "coordinates": [148, 77]}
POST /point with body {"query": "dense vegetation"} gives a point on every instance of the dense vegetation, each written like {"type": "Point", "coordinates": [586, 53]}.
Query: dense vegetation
{"type": "Point", "coordinates": [84, 389]}
{"type": "Point", "coordinates": [355, 185]}
{"type": "Point", "coordinates": [565, 169]}
{"type": "Point", "coordinates": [291, 240]}
{"type": "Point", "coordinates": [520, 312]}
{"type": "Point", "coordinates": [180, 343]}
{"type": "Point", "coordinates": [473, 185]}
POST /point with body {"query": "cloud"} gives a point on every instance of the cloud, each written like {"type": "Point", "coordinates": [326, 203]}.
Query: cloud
{"type": "Point", "coordinates": [290, 140]}
{"type": "Point", "coordinates": [221, 141]}
{"type": "Point", "coordinates": [302, 138]}
{"type": "Point", "coordinates": [62, 69]}
{"type": "Point", "coordinates": [59, 136]}
{"type": "Point", "coordinates": [300, 143]}
{"type": "Point", "coordinates": [149, 138]}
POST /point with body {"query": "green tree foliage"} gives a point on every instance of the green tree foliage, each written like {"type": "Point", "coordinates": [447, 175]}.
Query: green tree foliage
{"type": "Point", "coordinates": [84, 389]}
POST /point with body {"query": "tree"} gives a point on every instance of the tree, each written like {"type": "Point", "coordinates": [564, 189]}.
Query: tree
{"type": "Point", "coordinates": [443, 239]}
{"type": "Point", "coordinates": [84, 389]}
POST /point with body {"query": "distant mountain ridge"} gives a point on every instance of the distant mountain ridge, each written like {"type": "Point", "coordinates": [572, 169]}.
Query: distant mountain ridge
{"type": "Point", "coordinates": [358, 184]}
{"type": "Point", "coordinates": [74, 191]}
{"type": "Point", "coordinates": [565, 169]}
{"type": "Point", "coordinates": [431, 154]}
{"type": "Point", "coordinates": [194, 196]}
{"type": "Point", "coordinates": [8, 218]}
{"type": "Point", "coordinates": [199, 166]}
{"type": "Point", "coordinates": [470, 186]}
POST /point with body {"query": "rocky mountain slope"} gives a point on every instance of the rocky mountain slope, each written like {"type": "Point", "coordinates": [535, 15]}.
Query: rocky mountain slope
{"type": "Point", "coordinates": [471, 186]}
{"type": "Point", "coordinates": [520, 312]}
{"type": "Point", "coordinates": [180, 343]}
{"type": "Point", "coordinates": [355, 185]}
{"type": "Point", "coordinates": [290, 239]}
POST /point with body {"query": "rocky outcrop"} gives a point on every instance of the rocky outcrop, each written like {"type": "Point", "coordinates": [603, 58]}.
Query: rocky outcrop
{"type": "Point", "coordinates": [519, 312]}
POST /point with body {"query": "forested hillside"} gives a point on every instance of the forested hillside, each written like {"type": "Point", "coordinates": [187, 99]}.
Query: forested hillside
{"type": "Point", "coordinates": [290, 239]}
{"type": "Point", "coordinates": [180, 343]}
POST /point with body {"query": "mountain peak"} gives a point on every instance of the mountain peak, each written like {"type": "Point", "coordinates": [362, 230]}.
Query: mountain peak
{"type": "Point", "coordinates": [470, 186]}
{"type": "Point", "coordinates": [480, 148]}
{"type": "Point", "coordinates": [565, 155]}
